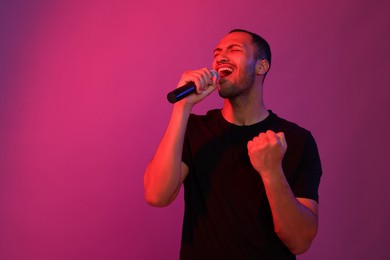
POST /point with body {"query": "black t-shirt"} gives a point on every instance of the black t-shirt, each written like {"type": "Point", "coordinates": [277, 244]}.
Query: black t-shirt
{"type": "Point", "coordinates": [227, 214]}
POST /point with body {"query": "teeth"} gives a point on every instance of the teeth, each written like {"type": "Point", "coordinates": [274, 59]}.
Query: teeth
{"type": "Point", "coordinates": [225, 69]}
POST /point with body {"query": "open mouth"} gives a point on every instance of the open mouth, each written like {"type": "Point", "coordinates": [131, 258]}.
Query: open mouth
{"type": "Point", "coordinates": [224, 71]}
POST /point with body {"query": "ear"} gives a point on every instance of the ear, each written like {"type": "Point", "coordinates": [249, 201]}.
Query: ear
{"type": "Point", "coordinates": [262, 66]}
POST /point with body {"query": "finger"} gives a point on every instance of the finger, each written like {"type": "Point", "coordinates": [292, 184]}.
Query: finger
{"type": "Point", "coordinates": [262, 138]}
{"type": "Point", "coordinates": [272, 138]}
{"type": "Point", "coordinates": [249, 145]}
{"type": "Point", "coordinates": [280, 135]}
{"type": "Point", "coordinates": [204, 80]}
{"type": "Point", "coordinates": [209, 90]}
{"type": "Point", "coordinates": [187, 77]}
{"type": "Point", "coordinates": [282, 139]}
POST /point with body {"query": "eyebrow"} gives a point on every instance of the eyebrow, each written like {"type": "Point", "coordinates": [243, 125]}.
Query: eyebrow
{"type": "Point", "coordinates": [228, 47]}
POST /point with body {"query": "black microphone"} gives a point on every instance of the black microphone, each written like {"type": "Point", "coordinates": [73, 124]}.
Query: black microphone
{"type": "Point", "coordinates": [185, 90]}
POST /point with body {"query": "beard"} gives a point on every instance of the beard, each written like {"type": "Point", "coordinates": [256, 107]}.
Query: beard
{"type": "Point", "coordinates": [244, 82]}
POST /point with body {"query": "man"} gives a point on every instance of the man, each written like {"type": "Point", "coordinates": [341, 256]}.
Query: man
{"type": "Point", "coordinates": [250, 177]}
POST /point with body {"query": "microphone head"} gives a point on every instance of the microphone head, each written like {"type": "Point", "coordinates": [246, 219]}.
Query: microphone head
{"type": "Point", "coordinates": [215, 73]}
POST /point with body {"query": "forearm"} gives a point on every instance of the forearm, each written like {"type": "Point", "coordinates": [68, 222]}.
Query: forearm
{"type": "Point", "coordinates": [295, 224]}
{"type": "Point", "coordinates": [163, 176]}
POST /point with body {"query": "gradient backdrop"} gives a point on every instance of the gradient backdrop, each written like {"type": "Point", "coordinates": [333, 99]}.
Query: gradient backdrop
{"type": "Point", "coordinates": [83, 106]}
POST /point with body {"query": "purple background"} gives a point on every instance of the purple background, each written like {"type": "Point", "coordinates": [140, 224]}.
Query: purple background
{"type": "Point", "coordinates": [83, 106]}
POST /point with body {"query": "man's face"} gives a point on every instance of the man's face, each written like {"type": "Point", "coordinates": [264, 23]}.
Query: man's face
{"type": "Point", "coordinates": [234, 60]}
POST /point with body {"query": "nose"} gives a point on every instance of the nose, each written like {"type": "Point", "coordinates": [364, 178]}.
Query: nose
{"type": "Point", "coordinates": [221, 57]}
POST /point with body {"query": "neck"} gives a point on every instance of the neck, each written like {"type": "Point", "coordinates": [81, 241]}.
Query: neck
{"type": "Point", "coordinates": [244, 111]}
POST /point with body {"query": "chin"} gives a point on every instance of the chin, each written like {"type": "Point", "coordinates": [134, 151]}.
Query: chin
{"type": "Point", "coordinates": [229, 93]}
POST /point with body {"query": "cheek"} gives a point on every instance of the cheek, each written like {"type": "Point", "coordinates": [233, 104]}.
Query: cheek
{"type": "Point", "coordinates": [214, 64]}
{"type": "Point", "coordinates": [250, 68]}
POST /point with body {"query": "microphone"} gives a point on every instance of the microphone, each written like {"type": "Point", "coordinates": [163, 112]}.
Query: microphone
{"type": "Point", "coordinates": [185, 90]}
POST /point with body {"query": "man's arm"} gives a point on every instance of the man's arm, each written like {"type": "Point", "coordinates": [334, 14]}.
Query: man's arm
{"type": "Point", "coordinates": [295, 219]}
{"type": "Point", "coordinates": [166, 172]}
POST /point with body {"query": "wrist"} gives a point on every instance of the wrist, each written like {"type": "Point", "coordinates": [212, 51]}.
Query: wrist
{"type": "Point", "coordinates": [275, 174]}
{"type": "Point", "coordinates": [181, 111]}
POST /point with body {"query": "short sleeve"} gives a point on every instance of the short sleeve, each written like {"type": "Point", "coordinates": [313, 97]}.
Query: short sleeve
{"type": "Point", "coordinates": [309, 173]}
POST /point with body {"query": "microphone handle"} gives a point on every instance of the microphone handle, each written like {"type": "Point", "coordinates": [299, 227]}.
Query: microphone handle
{"type": "Point", "coordinates": [181, 92]}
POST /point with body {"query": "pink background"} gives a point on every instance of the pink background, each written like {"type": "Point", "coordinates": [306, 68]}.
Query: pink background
{"type": "Point", "coordinates": [83, 106]}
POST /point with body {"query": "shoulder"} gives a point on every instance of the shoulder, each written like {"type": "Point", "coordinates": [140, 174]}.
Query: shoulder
{"type": "Point", "coordinates": [211, 114]}
{"type": "Point", "coordinates": [294, 133]}
{"type": "Point", "coordinates": [211, 117]}
{"type": "Point", "coordinates": [284, 125]}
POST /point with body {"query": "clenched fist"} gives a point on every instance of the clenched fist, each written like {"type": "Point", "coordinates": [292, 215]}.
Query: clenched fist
{"type": "Point", "coordinates": [266, 152]}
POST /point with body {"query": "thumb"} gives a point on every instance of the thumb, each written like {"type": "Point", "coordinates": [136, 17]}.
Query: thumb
{"type": "Point", "coordinates": [282, 139]}
{"type": "Point", "coordinates": [213, 86]}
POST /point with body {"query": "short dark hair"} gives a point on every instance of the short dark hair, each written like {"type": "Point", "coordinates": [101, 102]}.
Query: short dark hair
{"type": "Point", "coordinates": [263, 50]}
